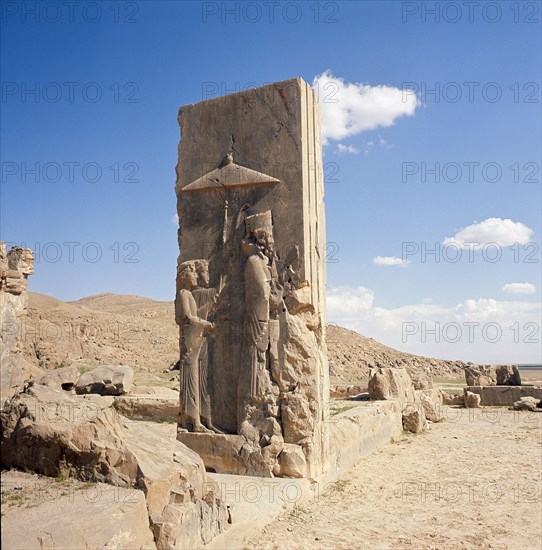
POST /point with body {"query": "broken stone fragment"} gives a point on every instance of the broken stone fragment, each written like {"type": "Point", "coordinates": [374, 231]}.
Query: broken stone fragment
{"type": "Point", "coordinates": [492, 375]}
{"type": "Point", "coordinates": [64, 378]}
{"type": "Point", "coordinates": [481, 375]}
{"type": "Point", "coordinates": [49, 521]}
{"type": "Point", "coordinates": [508, 375]}
{"type": "Point", "coordinates": [431, 401]}
{"type": "Point", "coordinates": [527, 404]}
{"type": "Point", "coordinates": [414, 417]}
{"type": "Point", "coordinates": [472, 400]}
{"type": "Point", "coordinates": [106, 380]}
{"type": "Point", "coordinates": [451, 399]}
{"type": "Point", "coordinates": [292, 461]}
{"type": "Point", "coordinates": [82, 436]}
{"type": "Point", "coordinates": [391, 383]}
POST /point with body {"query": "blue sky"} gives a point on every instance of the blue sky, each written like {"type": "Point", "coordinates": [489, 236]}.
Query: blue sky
{"type": "Point", "coordinates": [107, 89]}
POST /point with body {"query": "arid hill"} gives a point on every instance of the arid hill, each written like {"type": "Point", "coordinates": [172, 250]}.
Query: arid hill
{"type": "Point", "coordinates": [351, 355]}
{"type": "Point", "coordinates": [136, 331]}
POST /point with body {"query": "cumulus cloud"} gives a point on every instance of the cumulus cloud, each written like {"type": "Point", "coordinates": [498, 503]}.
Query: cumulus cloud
{"type": "Point", "coordinates": [492, 230]}
{"type": "Point", "coordinates": [349, 302]}
{"type": "Point", "coordinates": [390, 260]}
{"type": "Point", "coordinates": [175, 219]}
{"type": "Point", "coordinates": [349, 108]}
{"type": "Point", "coordinates": [482, 330]}
{"type": "Point", "coordinates": [519, 288]}
{"type": "Point", "coordinates": [352, 149]}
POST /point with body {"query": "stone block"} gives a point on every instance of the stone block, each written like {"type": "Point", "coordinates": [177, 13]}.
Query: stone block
{"type": "Point", "coordinates": [220, 453]}
{"type": "Point", "coordinates": [414, 417]}
{"type": "Point", "coordinates": [507, 375]}
{"type": "Point", "coordinates": [64, 378]}
{"type": "Point", "coordinates": [96, 516]}
{"type": "Point", "coordinates": [292, 461]}
{"type": "Point", "coordinates": [391, 383]}
{"type": "Point", "coordinates": [358, 432]}
{"type": "Point", "coordinates": [492, 375]}
{"type": "Point", "coordinates": [451, 399]}
{"type": "Point", "coordinates": [82, 436]}
{"type": "Point", "coordinates": [431, 401]}
{"type": "Point", "coordinates": [504, 395]}
{"type": "Point", "coordinates": [148, 407]}
{"type": "Point", "coordinates": [527, 404]}
{"type": "Point", "coordinates": [106, 380]}
{"type": "Point", "coordinates": [472, 400]}
{"type": "Point", "coordinates": [480, 375]}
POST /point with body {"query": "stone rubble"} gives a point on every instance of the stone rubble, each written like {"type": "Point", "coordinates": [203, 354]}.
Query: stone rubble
{"type": "Point", "coordinates": [56, 433]}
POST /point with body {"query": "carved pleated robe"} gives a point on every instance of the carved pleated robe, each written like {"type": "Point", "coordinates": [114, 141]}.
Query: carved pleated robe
{"type": "Point", "coordinates": [192, 337]}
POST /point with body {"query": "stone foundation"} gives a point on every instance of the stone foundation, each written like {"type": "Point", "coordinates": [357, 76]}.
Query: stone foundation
{"type": "Point", "coordinates": [228, 454]}
{"type": "Point", "coordinates": [503, 395]}
{"type": "Point", "coordinates": [354, 434]}
{"type": "Point", "coordinates": [358, 432]}
{"type": "Point", "coordinates": [220, 452]}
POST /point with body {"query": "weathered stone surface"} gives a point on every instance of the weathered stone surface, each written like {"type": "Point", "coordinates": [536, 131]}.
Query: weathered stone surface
{"type": "Point", "coordinates": [15, 267]}
{"type": "Point", "coordinates": [472, 400]}
{"type": "Point", "coordinates": [292, 461]}
{"type": "Point", "coordinates": [527, 404]}
{"type": "Point", "coordinates": [414, 417]}
{"type": "Point", "coordinates": [507, 375]}
{"type": "Point", "coordinates": [391, 383]}
{"type": "Point", "coordinates": [451, 399]}
{"type": "Point", "coordinates": [357, 432]}
{"type": "Point", "coordinates": [504, 395]}
{"type": "Point", "coordinates": [149, 407]}
{"type": "Point", "coordinates": [422, 378]}
{"type": "Point", "coordinates": [431, 401]}
{"type": "Point", "coordinates": [64, 378]}
{"type": "Point", "coordinates": [492, 375]}
{"type": "Point", "coordinates": [250, 299]}
{"type": "Point", "coordinates": [106, 380]}
{"type": "Point", "coordinates": [220, 452]}
{"type": "Point", "coordinates": [55, 433]}
{"type": "Point", "coordinates": [72, 516]}
{"type": "Point", "coordinates": [481, 375]}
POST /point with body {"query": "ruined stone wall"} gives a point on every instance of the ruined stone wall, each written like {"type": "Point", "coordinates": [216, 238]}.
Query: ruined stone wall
{"type": "Point", "coordinates": [15, 267]}
{"type": "Point", "coordinates": [270, 138]}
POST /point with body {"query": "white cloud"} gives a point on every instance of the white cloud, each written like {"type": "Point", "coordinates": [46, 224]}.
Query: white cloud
{"type": "Point", "coordinates": [382, 143]}
{"type": "Point", "coordinates": [389, 260]}
{"type": "Point", "coordinates": [349, 302]}
{"type": "Point", "coordinates": [385, 144]}
{"type": "Point", "coordinates": [353, 150]}
{"type": "Point", "coordinates": [492, 230]}
{"type": "Point", "coordinates": [519, 288]}
{"type": "Point", "coordinates": [349, 108]}
{"type": "Point", "coordinates": [482, 330]}
{"type": "Point", "coordinates": [175, 219]}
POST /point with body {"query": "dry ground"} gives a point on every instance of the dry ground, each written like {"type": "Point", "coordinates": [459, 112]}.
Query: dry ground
{"type": "Point", "coordinates": [472, 481]}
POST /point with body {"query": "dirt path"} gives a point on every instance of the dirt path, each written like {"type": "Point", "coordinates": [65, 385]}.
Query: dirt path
{"type": "Point", "coordinates": [472, 481]}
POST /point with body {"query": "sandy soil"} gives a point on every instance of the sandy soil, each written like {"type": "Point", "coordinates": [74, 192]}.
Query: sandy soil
{"type": "Point", "coordinates": [472, 481]}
